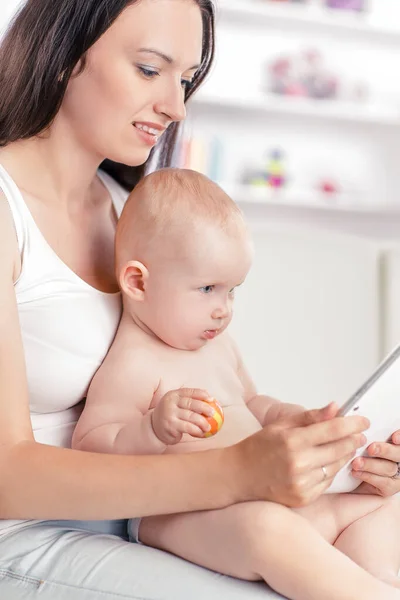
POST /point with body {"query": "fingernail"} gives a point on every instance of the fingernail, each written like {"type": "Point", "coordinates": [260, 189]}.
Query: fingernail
{"type": "Point", "coordinates": [396, 439]}
{"type": "Point", "coordinates": [376, 450]}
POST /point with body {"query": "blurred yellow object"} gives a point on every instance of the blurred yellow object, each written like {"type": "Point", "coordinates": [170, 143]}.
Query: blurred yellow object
{"type": "Point", "coordinates": [217, 420]}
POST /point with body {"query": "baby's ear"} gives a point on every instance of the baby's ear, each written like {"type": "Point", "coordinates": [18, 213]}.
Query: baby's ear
{"type": "Point", "coordinates": [132, 279]}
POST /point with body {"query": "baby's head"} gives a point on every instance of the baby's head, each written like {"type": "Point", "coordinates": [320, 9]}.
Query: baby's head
{"type": "Point", "coordinates": [182, 247]}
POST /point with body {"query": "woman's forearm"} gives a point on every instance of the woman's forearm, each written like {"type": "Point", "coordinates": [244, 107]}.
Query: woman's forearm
{"type": "Point", "coordinates": [45, 482]}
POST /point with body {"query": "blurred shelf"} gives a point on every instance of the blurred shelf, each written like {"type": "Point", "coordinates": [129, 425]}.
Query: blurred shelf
{"type": "Point", "coordinates": [304, 16]}
{"type": "Point", "coordinates": [267, 209]}
{"type": "Point", "coordinates": [332, 110]}
{"type": "Point", "coordinates": [306, 200]}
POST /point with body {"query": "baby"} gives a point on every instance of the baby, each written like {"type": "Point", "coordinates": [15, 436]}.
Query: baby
{"type": "Point", "coordinates": [182, 249]}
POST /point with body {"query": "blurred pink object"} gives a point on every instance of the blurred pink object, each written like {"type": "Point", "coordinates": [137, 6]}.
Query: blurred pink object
{"type": "Point", "coordinates": [358, 5]}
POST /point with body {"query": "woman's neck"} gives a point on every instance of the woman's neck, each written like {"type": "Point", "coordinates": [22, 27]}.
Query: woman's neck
{"type": "Point", "coordinates": [53, 167]}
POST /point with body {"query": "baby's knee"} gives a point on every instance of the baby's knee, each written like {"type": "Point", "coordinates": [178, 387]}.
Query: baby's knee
{"type": "Point", "coordinates": [267, 521]}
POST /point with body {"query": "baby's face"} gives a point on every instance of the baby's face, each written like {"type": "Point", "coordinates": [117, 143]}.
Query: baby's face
{"type": "Point", "coordinates": [190, 300]}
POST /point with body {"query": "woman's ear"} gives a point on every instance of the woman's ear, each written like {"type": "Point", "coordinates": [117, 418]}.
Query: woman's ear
{"type": "Point", "coordinates": [132, 279]}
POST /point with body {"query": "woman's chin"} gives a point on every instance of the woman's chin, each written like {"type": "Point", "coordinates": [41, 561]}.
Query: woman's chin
{"type": "Point", "coordinates": [132, 159]}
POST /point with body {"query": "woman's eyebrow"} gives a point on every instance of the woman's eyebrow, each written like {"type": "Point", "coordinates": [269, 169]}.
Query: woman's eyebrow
{"type": "Point", "coordinates": [165, 57]}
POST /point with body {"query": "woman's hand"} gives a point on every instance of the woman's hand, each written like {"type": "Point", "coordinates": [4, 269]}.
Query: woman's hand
{"type": "Point", "coordinates": [295, 459]}
{"type": "Point", "coordinates": [378, 471]}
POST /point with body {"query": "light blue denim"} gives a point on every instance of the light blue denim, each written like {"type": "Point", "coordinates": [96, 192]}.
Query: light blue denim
{"type": "Point", "coordinates": [75, 560]}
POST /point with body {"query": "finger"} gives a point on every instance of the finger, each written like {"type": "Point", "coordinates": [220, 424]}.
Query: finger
{"type": "Point", "coordinates": [335, 452]}
{"type": "Point", "coordinates": [386, 486]}
{"type": "Point", "coordinates": [331, 431]}
{"type": "Point", "coordinates": [376, 466]}
{"type": "Point", "coordinates": [396, 437]}
{"type": "Point", "coordinates": [323, 478]}
{"type": "Point", "coordinates": [191, 417]}
{"type": "Point", "coordinates": [309, 417]}
{"type": "Point", "coordinates": [191, 429]}
{"type": "Point", "coordinates": [318, 476]}
{"type": "Point", "coordinates": [385, 450]}
{"type": "Point", "coordinates": [199, 406]}
{"type": "Point", "coordinates": [194, 393]}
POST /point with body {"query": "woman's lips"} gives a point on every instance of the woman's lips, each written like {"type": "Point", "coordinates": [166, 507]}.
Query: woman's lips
{"type": "Point", "coordinates": [148, 138]}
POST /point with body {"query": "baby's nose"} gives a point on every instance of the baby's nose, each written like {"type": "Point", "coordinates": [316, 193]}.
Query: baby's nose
{"type": "Point", "coordinates": [220, 313]}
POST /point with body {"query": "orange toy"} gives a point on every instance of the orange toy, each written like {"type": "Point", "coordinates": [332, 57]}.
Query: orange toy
{"type": "Point", "coordinates": [217, 420]}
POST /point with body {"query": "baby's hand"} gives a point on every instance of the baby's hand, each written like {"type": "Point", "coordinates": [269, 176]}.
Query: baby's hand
{"type": "Point", "coordinates": [181, 411]}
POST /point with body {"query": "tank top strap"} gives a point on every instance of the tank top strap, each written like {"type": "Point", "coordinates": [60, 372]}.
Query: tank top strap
{"type": "Point", "coordinates": [17, 206]}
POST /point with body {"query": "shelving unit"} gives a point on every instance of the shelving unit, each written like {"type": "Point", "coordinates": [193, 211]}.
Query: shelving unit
{"type": "Point", "coordinates": [332, 110]}
{"type": "Point", "coordinates": [264, 12]}
{"type": "Point", "coordinates": [353, 143]}
{"type": "Point", "coordinates": [292, 198]}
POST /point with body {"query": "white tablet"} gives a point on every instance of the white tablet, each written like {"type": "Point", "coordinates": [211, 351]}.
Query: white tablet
{"type": "Point", "coordinates": [378, 400]}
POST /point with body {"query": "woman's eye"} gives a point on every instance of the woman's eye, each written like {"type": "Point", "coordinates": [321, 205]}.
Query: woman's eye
{"type": "Point", "coordinates": [207, 289]}
{"type": "Point", "coordinates": [149, 73]}
{"type": "Point", "coordinates": [186, 84]}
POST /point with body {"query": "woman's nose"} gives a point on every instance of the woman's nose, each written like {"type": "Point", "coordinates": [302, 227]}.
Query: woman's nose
{"type": "Point", "coordinates": [172, 103]}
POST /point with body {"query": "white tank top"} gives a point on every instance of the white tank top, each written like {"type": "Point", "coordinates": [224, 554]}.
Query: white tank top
{"type": "Point", "coordinates": [67, 325]}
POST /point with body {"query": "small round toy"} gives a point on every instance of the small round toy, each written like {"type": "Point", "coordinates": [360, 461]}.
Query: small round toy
{"type": "Point", "coordinates": [217, 420]}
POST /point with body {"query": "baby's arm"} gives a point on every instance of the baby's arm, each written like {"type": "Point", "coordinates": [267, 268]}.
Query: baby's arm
{"type": "Point", "coordinates": [264, 408]}
{"type": "Point", "coordinates": [116, 418]}
{"type": "Point", "coordinates": [119, 418]}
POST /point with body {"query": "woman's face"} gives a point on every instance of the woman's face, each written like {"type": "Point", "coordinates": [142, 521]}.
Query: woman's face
{"type": "Point", "coordinates": [133, 84]}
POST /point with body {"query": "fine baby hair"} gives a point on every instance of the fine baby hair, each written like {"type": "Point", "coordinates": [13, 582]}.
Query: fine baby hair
{"type": "Point", "coordinates": [172, 203]}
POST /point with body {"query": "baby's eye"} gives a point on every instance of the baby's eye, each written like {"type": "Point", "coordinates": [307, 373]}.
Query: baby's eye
{"type": "Point", "coordinates": [207, 289]}
{"type": "Point", "coordinates": [147, 72]}
{"type": "Point", "coordinates": [232, 292]}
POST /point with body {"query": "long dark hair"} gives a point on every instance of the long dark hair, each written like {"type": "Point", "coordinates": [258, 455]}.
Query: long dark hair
{"type": "Point", "coordinates": [43, 45]}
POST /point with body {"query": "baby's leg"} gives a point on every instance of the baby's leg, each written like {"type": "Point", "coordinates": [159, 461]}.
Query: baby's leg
{"type": "Point", "coordinates": [365, 528]}
{"type": "Point", "coordinates": [262, 540]}
{"type": "Point", "coordinates": [374, 542]}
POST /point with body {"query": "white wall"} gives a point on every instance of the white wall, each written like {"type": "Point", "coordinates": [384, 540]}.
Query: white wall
{"type": "Point", "coordinates": [7, 10]}
{"type": "Point", "coordinates": [307, 318]}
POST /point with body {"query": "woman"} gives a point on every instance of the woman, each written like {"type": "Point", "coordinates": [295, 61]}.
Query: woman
{"type": "Point", "coordinates": [86, 83]}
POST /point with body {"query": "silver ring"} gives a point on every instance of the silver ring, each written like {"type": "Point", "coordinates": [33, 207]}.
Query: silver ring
{"type": "Point", "coordinates": [397, 474]}
{"type": "Point", "coordinates": [325, 472]}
